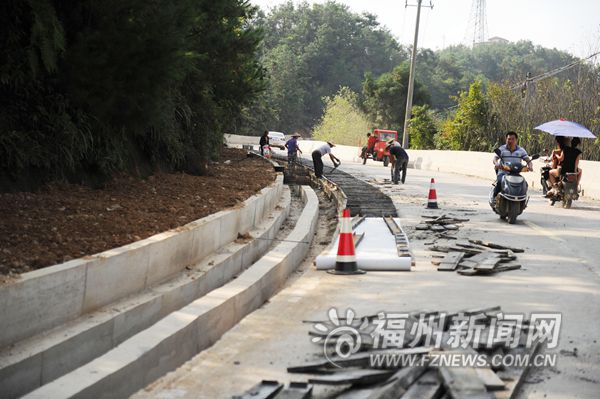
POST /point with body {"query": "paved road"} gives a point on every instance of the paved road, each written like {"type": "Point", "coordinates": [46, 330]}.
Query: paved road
{"type": "Point", "coordinates": [561, 274]}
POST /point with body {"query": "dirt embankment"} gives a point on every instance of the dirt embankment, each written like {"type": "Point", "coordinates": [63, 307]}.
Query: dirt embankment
{"type": "Point", "coordinates": [63, 222]}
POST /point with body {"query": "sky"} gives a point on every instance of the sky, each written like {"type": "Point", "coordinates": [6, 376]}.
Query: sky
{"type": "Point", "coordinates": [572, 26]}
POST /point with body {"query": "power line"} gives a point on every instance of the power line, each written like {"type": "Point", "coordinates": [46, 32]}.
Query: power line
{"type": "Point", "coordinates": [537, 78]}
{"type": "Point", "coordinates": [553, 72]}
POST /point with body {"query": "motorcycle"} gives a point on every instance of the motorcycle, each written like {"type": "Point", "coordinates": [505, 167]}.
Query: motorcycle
{"type": "Point", "coordinates": [512, 199]}
{"type": "Point", "coordinates": [567, 185]}
{"type": "Point", "coordinates": [567, 190]}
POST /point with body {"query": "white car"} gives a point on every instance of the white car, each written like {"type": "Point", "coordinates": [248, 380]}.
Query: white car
{"type": "Point", "coordinates": [277, 139]}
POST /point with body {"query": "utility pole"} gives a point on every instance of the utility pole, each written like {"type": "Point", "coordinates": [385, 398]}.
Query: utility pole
{"type": "Point", "coordinates": [411, 77]}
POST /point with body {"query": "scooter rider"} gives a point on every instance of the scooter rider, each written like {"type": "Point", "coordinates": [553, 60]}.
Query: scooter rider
{"type": "Point", "coordinates": [510, 152]}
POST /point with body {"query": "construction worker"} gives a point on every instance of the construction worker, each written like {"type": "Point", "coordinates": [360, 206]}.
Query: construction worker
{"type": "Point", "coordinates": [370, 147]}
{"type": "Point", "coordinates": [293, 148]}
{"type": "Point", "coordinates": [399, 159]}
{"type": "Point", "coordinates": [318, 154]}
{"type": "Point", "coordinates": [264, 141]}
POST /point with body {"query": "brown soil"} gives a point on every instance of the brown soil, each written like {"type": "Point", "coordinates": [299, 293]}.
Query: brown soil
{"type": "Point", "coordinates": [63, 222]}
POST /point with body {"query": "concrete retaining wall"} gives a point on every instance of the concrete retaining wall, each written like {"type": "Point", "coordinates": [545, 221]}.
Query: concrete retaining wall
{"type": "Point", "coordinates": [48, 297]}
{"type": "Point", "coordinates": [181, 335]}
{"type": "Point", "coordinates": [37, 361]}
{"type": "Point", "coordinates": [470, 163]}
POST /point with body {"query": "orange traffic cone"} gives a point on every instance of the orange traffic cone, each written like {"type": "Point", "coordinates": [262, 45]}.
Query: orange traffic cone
{"type": "Point", "coordinates": [432, 200]}
{"type": "Point", "coordinates": [345, 262]}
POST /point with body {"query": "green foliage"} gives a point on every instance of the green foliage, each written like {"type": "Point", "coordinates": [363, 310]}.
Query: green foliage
{"type": "Point", "coordinates": [97, 86]}
{"type": "Point", "coordinates": [469, 128]}
{"type": "Point", "coordinates": [422, 128]}
{"type": "Point", "coordinates": [343, 122]}
{"type": "Point", "coordinates": [309, 52]}
{"type": "Point", "coordinates": [384, 98]}
{"type": "Point", "coordinates": [547, 100]}
{"type": "Point", "coordinates": [453, 69]}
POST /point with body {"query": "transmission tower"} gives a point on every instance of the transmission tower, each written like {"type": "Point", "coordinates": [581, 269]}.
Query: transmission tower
{"type": "Point", "coordinates": [477, 27]}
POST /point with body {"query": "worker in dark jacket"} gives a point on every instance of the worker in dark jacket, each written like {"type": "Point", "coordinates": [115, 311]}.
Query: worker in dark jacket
{"type": "Point", "coordinates": [399, 159]}
{"type": "Point", "coordinates": [264, 141]}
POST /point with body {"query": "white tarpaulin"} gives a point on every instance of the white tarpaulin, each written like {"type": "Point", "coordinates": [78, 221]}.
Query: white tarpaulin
{"type": "Point", "coordinates": [376, 251]}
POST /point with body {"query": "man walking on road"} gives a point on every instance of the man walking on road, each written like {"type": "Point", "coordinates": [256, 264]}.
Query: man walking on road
{"type": "Point", "coordinates": [318, 161]}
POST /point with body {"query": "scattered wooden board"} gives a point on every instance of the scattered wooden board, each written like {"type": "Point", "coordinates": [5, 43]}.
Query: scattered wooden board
{"type": "Point", "coordinates": [450, 261]}
{"type": "Point", "coordinates": [352, 377]}
{"type": "Point", "coordinates": [426, 387]}
{"type": "Point", "coordinates": [463, 383]}
{"type": "Point", "coordinates": [496, 246]}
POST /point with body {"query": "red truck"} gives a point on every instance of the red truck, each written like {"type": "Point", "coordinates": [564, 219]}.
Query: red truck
{"type": "Point", "coordinates": [379, 152]}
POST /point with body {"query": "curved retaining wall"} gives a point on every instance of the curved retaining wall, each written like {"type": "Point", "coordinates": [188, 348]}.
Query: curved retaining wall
{"type": "Point", "coordinates": [48, 297]}
{"type": "Point", "coordinates": [181, 335]}
{"type": "Point", "coordinates": [34, 362]}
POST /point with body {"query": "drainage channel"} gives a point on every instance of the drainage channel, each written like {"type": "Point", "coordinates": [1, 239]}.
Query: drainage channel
{"type": "Point", "coordinates": [363, 198]}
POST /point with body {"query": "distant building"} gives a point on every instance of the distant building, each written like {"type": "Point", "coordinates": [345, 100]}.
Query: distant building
{"type": "Point", "coordinates": [497, 39]}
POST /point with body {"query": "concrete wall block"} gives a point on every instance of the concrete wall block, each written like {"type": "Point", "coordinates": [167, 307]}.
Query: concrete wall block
{"type": "Point", "coordinates": [168, 254]}
{"type": "Point", "coordinates": [206, 235]}
{"type": "Point", "coordinates": [128, 323]}
{"type": "Point", "coordinates": [260, 211]}
{"type": "Point", "coordinates": [229, 227]}
{"type": "Point", "coordinates": [120, 384]}
{"type": "Point", "coordinates": [218, 318]}
{"type": "Point", "coordinates": [116, 274]}
{"type": "Point", "coordinates": [170, 353]}
{"type": "Point", "coordinates": [76, 351]}
{"type": "Point", "coordinates": [247, 215]}
{"type": "Point", "coordinates": [231, 267]}
{"type": "Point", "coordinates": [250, 299]}
{"type": "Point", "coordinates": [41, 300]}
{"type": "Point", "coordinates": [20, 378]}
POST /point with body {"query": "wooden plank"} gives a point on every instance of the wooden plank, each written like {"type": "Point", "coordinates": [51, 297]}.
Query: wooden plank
{"type": "Point", "coordinates": [352, 377]}
{"type": "Point", "coordinates": [266, 389]}
{"type": "Point", "coordinates": [399, 383]}
{"type": "Point", "coordinates": [491, 381]}
{"type": "Point", "coordinates": [426, 387]}
{"type": "Point", "coordinates": [468, 272]}
{"type": "Point", "coordinates": [515, 376]}
{"type": "Point", "coordinates": [496, 246]}
{"type": "Point", "coordinates": [463, 383]}
{"type": "Point", "coordinates": [391, 224]}
{"type": "Point", "coordinates": [357, 238]}
{"type": "Point", "coordinates": [358, 221]}
{"type": "Point", "coordinates": [296, 390]}
{"type": "Point", "coordinates": [473, 311]}
{"type": "Point", "coordinates": [489, 263]}
{"type": "Point", "coordinates": [361, 359]}
{"type": "Point", "coordinates": [501, 267]}
{"type": "Point", "coordinates": [450, 261]}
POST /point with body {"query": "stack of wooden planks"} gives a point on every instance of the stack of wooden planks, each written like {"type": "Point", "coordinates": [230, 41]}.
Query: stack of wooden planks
{"type": "Point", "coordinates": [476, 257]}
{"type": "Point", "coordinates": [442, 226]}
{"type": "Point", "coordinates": [357, 375]}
